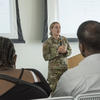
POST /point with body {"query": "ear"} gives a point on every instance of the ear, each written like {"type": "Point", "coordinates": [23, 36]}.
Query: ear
{"type": "Point", "coordinates": [15, 57]}
{"type": "Point", "coordinates": [50, 29]}
{"type": "Point", "coordinates": [82, 49]}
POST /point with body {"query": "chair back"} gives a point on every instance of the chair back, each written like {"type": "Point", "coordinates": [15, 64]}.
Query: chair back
{"type": "Point", "coordinates": [89, 96]}
{"type": "Point", "coordinates": [74, 60]}
{"type": "Point", "coordinates": [58, 98]}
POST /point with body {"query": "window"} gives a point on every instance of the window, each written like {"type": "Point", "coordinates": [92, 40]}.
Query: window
{"type": "Point", "coordinates": [9, 24]}
{"type": "Point", "coordinates": [77, 11]}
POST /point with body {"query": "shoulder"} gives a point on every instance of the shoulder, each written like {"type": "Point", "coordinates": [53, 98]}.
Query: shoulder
{"type": "Point", "coordinates": [64, 38]}
{"type": "Point", "coordinates": [69, 76]}
{"type": "Point", "coordinates": [67, 83]}
{"type": "Point", "coordinates": [27, 76]}
{"type": "Point", "coordinates": [36, 73]}
{"type": "Point", "coordinates": [48, 41]}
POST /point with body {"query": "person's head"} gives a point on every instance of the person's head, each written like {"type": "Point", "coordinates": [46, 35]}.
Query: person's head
{"type": "Point", "coordinates": [7, 53]}
{"type": "Point", "coordinates": [55, 29]}
{"type": "Point", "coordinates": [89, 37]}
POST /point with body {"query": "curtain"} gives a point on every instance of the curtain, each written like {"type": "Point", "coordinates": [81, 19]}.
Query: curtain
{"type": "Point", "coordinates": [45, 28]}
{"type": "Point", "coordinates": [19, 29]}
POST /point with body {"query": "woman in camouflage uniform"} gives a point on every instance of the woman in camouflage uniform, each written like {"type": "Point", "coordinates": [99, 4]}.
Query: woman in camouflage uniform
{"type": "Point", "coordinates": [55, 50]}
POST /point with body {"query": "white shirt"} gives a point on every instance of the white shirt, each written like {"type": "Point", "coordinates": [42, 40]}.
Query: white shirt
{"type": "Point", "coordinates": [83, 78]}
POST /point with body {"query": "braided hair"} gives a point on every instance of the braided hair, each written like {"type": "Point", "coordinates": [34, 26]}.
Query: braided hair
{"type": "Point", "coordinates": [7, 52]}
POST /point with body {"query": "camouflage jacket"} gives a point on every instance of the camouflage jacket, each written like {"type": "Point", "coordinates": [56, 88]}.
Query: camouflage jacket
{"type": "Point", "coordinates": [50, 52]}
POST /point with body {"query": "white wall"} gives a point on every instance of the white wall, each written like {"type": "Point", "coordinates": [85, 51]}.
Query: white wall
{"type": "Point", "coordinates": [29, 55]}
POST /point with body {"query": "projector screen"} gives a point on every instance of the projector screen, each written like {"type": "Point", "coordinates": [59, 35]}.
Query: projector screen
{"type": "Point", "coordinates": [72, 13]}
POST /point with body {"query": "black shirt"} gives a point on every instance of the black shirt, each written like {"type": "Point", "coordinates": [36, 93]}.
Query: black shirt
{"type": "Point", "coordinates": [24, 90]}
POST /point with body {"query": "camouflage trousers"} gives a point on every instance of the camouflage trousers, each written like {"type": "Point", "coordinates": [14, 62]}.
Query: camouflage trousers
{"type": "Point", "coordinates": [53, 77]}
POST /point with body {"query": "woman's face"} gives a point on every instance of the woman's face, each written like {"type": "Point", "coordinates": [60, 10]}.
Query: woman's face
{"type": "Point", "coordinates": [56, 30]}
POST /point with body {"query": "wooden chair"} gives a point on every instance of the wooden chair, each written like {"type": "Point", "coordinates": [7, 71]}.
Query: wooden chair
{"type": "Point", "coordinates": [74, 60]}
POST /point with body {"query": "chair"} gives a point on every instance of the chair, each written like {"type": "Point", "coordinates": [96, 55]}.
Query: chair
{"type": "Point", "coordinates": [74, 60]}
{"type": "Point", "coordinates": [88, 96]}
{"type": "Point", "coordinates": [58, 98]}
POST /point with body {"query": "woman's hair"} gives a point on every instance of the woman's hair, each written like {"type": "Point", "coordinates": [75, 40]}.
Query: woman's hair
{"type": "Point", "coordinates": [52, 25]}
{"type": "Point", "coordinates": [7, 52]}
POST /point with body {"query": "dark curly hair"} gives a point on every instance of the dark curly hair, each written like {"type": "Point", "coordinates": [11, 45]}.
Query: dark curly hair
{"type": "Point", "coordinates": [7, 52]}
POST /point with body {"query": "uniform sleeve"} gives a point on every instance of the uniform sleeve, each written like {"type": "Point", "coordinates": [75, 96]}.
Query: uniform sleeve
{"type": "Point", "coordinates": [49, 54]}
{"type": "Point", "coordinates": [69, 50]}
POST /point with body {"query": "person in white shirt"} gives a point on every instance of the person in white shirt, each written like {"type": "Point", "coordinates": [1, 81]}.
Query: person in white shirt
{"type": "Point", "coordinates": [86, 76]}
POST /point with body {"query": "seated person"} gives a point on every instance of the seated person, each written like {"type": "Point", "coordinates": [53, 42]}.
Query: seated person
{"type": "Point", "coordinates": [19, 84]}
{"type": "Point", "coordinates": [86, 76]}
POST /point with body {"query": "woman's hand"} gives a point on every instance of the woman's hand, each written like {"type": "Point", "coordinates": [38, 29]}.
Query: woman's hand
{"type": "Point", "coordinates": [62, 49]}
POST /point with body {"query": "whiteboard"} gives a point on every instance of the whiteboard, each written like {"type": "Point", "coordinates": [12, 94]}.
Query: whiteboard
{"type": "Point", "coordinates": [73, 12]}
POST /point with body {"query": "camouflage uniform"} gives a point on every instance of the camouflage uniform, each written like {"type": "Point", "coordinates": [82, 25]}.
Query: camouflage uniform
{"type": "Point", "coordinates": [57, 61]}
